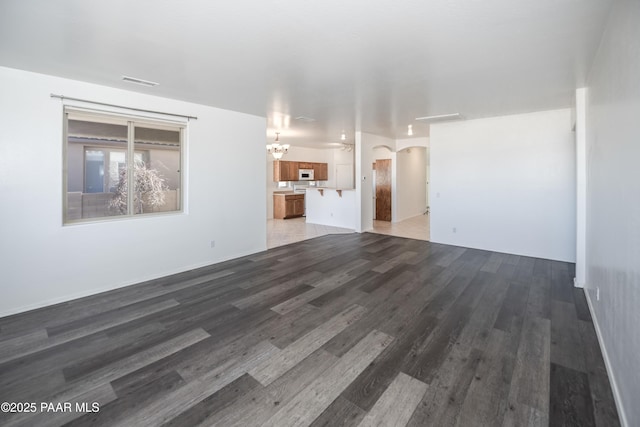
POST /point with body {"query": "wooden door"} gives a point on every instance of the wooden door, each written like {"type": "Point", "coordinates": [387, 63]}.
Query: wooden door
{"type": "Point", "coordinates": [383, 190]}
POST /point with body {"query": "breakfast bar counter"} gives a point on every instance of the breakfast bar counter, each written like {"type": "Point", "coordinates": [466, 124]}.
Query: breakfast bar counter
{"type": "Point", "coordinates": [331, 206]}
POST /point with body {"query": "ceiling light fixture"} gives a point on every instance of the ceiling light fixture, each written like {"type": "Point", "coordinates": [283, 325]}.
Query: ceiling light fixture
{"type": "Point", "coordinates": [277, 150]}
{"type": "Point", "coordinates": [440, 116]}
{"type": "Point", "coordinates": [138, 81]}
{"type": "Point", "coordinates": [343, 137]}
{"type": "Point", "coordinates": [347, 147]}
{"type": "Point", "coordinates": [410, 130]}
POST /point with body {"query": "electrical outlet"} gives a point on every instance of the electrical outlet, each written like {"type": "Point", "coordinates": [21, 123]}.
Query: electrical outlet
{"type": "Point", "coordinates": [598, 293]}
{"type": "Point", "coordinates": [213, 243]}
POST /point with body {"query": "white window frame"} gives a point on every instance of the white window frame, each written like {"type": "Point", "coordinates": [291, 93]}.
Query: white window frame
{"type": "Point", "coordinates": [131, 121]}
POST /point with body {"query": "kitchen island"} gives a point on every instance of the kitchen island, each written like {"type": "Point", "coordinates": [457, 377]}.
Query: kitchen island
{"type": "Point", "coordinates": [331, 206]}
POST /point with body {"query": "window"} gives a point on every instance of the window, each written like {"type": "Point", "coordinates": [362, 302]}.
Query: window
{"type": "Point", "coordinates": [107, 154]}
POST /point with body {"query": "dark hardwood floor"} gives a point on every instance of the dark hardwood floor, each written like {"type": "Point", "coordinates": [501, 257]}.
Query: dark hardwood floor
{"type": "Point", "coordinates": [341, 330]}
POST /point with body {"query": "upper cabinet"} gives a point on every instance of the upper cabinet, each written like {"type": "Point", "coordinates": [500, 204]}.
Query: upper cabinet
{"type": "Point", "coordinates": [284, 170]}
{"type": "Point", "coordinates": [320, 171]}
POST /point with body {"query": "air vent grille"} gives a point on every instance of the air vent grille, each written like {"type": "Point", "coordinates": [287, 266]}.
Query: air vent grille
{"type": "Point", "coordinates": [305, 119]}
{"type": "Point", "coordinates": [139, 81]}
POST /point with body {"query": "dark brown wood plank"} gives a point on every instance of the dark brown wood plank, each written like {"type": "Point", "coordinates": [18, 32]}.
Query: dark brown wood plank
{"type": "Point", "coordinates": [582, 308]}
{"type": "Point", "coordinates": [341, 413]}
{"type": "Point", "coordinates": [570, 399]}
{"type": "Point", "coordinates": [561, 282]}
{"type": "Point", "coordinates": [566, 342]}
{"type": "Point", "coordinates": [604, 408]}
{"type": "Point", "coordinates": [439, 344]}
{"type": "Point", "coordinates": [129, 399]}
{"type": "Point", "coordinates": [542, 268]}
{"type": "Point", "coordinates": [442, 403]}
{"type": "Point", "coordinates": [539, 300]}
{"type": "Point", "coordinates": [530, 382]}
{"type": "Point", "coordinates": [214, 403]}
{"type": "Point", "coordinates": [365, 390]}
{"type": "Point", "coordinates": [514, 304]}
{"type": "Point", "coordinates": [261, 403]}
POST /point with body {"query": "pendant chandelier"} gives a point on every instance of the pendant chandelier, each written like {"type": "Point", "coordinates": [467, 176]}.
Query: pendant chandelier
{"type": "Point", "coordinates": [277, 150]}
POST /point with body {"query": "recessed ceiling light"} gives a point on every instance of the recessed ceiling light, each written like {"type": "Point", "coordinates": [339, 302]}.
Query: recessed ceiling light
{"type": "Point", "coordinates": [410, 130]}
{"type": "Point", "coordinates": [139, 81]}
{"type": "Point", "coordinates": [440, 116]}
{"type": "Point", "coordinates": [343, 137]}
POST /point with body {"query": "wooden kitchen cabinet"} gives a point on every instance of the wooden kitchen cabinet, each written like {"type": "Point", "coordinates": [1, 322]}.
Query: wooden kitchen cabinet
{"type": "Point", "coordinates": [298, 206]}
{"type": "Point", "coordinates": [285, 171]}
{"type": "Point", "coordinates": [293, 171]}
{"type": "Point", "coordinates": [278, 169]}
{"type": "Point", "coordinates": [320, 171]}
{"type": "Point", "coordinates": [288, 205]}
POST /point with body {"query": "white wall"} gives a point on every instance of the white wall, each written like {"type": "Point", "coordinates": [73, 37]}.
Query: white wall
{"type": "Point", "coordinates": [331, 208]}
{"type": "Point", "coordinates": [505, 184]}
{"type": "Point", "coordinates": [380, 153]}
{"type": "Point", "coordinates": [343, 161]}
{"type": "Point", "coordinates": [581, 187]}
{"type": "Point", "coordinates": [403, 143]}
{"type": "Point", "coordinates": [411, 183]}
{"type": "Point", "coordinates": [423, 141]}
{"type": "Point", "coordinates": [44, 262]}
{"type": "Point", "coordinates": [613, 202]}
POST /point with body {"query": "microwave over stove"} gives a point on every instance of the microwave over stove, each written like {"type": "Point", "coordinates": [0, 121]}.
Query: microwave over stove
{"type": "Point", "coordinates": [305, 175]}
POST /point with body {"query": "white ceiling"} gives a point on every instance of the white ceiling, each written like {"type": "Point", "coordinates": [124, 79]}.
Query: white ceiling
{"type": "Point", "coordinates": [369, 65]}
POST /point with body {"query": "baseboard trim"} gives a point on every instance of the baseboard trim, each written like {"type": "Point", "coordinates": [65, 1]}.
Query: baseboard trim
{"type": "Point", "coordinates": [607, 364]}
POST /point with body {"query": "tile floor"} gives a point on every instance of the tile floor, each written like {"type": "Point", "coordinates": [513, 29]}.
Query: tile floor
{"type": "Point", "coordinates": [416, 227]}
{"type": "Point", "coordinates": [285, 231]}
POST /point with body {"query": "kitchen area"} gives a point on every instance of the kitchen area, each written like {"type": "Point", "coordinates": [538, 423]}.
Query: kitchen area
{"type": "Point", "coordinates": [291, 203]}
{"type": "Point", "coordinates": [303, 197]}
{"type": "Point", "coordinates": [311, 192]}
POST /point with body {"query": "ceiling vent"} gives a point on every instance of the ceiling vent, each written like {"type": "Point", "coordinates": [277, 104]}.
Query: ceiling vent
{"type": "Point", "coordinates": [305, 119]}
{"type": "Point", "coordinates": [441, 117]}
{"type": "Point", "coordinates": [142, 82]}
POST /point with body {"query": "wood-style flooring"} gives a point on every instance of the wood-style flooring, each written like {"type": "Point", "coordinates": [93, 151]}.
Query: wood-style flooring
{"type": "Point", "coordinates": [341, 330]}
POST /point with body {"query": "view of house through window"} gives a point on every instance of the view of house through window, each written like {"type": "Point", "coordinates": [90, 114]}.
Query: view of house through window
{"type": "Point", "coordinates": [99, 171]}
